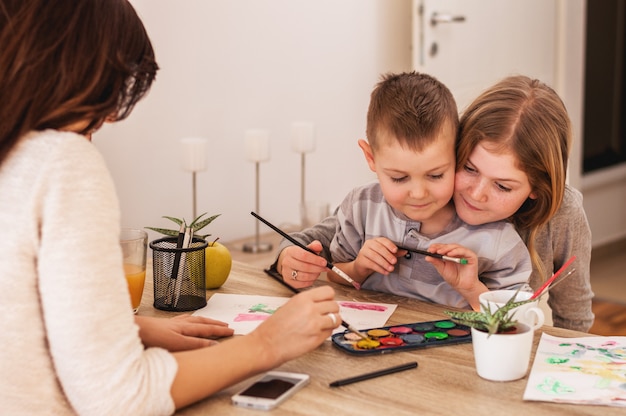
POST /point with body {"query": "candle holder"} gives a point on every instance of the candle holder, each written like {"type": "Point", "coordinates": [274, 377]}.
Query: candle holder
{"type": "Point", "coordinates": [194, 159]}
{"type": "Point", "coordinates": [303, 142]}
{"type": "Point", "coordinates": [257, 151]}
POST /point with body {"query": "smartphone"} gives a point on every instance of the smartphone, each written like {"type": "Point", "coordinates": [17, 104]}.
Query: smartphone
{"type": "Point", "coordinates": [273, 388]}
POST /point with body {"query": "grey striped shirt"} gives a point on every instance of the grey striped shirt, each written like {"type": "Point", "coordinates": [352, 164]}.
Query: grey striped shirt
{"type": "Point", "coordinates": [503, 259]}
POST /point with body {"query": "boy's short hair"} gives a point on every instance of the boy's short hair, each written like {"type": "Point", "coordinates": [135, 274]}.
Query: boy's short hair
{"type": "Point", "coordinates": [413, 107]}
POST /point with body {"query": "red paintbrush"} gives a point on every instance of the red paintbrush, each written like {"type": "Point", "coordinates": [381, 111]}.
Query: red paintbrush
{"type": "Point", "coordinates": [540, 291]}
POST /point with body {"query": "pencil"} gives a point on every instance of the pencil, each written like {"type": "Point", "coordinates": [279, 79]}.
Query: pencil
{"type": "Point", "coordinates": [329, 265]}
{"type": "Point", "coordinates": [435, 255]}
{"type": "Point", "coordinates": [374, 374]}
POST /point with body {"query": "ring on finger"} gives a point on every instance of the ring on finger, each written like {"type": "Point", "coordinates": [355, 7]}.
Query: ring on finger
{"type": "Point", "coordinates": [294, 274]}
{"type": "Point", "coordinates": [334, 318]}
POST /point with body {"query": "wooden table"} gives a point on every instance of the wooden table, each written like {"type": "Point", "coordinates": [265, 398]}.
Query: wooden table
{"type": "Point", "coordinates": [445, 383]}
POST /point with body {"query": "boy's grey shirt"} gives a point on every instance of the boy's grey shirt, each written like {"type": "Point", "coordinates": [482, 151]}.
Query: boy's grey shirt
{"type": "Point", "coordinates": [503, 259]}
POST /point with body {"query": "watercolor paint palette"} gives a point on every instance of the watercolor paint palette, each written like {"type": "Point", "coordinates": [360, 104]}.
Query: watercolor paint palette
{"type": "Point", "coordinates": [403, 337]}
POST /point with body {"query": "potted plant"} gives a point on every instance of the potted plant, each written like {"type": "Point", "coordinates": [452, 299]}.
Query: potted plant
{"type": "Point", "coordinates": [501, 344]}
{"type": "Point", "coordinates": [217, 257]}
{"type": "Point", "coordinates": [208, 272]}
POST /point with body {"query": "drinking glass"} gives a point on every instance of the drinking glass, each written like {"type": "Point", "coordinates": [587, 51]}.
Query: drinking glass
{"type": "Point", "coordinates": [134, 245]}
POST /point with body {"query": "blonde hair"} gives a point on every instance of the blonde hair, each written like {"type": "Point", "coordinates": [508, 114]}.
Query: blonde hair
{"type": "Point", "coordinates": [526, 117]}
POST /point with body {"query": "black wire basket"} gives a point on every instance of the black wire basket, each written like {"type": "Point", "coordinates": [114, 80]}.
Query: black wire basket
{"type": "Point", "coordinates": [179, 274]}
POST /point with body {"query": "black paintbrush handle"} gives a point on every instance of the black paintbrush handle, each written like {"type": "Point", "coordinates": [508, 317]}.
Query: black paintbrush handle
{"type": "Point", "coordinates": [288, 237]}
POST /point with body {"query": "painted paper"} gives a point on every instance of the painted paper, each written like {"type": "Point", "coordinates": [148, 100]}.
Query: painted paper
{"type": "Point", "coordinates": [586, 370]}
{"type": "Point", "coordinates": [244, 313]}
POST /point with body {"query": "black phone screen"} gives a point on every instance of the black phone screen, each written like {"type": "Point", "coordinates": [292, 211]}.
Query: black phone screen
{"type": "Point", "coordinates": [270, 389]}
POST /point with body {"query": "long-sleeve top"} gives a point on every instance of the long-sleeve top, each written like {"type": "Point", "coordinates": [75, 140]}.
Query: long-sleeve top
{"type": "Point", "coordinates": [566, 234]}
{"type": "Point", "coordinates": [503, 260]}
{"type": "Point", "coordinates": [70, 344]}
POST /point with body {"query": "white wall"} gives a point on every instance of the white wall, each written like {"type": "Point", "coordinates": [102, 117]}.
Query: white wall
{"type": "Point", "coordinates": [227, 66]}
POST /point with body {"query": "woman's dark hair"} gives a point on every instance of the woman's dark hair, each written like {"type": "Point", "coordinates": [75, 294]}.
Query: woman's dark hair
{"type": "Point", "coordinates": [64, 62]}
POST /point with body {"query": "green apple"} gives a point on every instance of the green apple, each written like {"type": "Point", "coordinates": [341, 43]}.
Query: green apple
{"type": "Point", "coordinates": [218, 262]}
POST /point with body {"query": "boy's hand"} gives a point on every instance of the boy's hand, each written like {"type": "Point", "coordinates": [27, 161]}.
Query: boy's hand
{"type": "Point", "coordinates": [378, 255]}
{"type": "Point", "coordinates": [462, 277]}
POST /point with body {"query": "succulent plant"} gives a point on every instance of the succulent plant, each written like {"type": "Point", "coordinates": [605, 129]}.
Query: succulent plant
{"type": "Point", "coordinates": [486, 320]}
{"type": "Point", "coordinates": [196, 225]}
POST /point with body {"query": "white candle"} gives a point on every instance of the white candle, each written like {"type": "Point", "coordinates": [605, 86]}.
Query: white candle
{"type": "Point", "coordinates": [302, 137]}
{"type": "Point", "coordinates": [194, 154]}
{"type": "Point", "coordinates": [257, 145]}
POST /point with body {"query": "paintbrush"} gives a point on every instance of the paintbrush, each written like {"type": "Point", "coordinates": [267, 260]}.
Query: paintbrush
{"type": "Point", "coordinates": [181, 268]}
{"type": "Point", "coordinates": [556, 282]}
{"type": "Point", "coordinates": [176, 265]}
{"type": "Point", "coordinates": [331, 266]}
{"type": "Point", "coordinates": [541, 290]}
{"type": "Point", "coordinates": [279, 278]}
{"type": "Point", "coordinates": [435, 255]}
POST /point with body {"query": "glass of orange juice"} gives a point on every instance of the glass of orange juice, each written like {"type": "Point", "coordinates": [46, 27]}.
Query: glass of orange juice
{"type": "Point", "coordinates": [134, 243]}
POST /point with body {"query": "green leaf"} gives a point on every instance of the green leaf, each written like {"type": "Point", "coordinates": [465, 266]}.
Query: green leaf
{"type": "Point", "coordinates": [195, 226]}
{"type": "Point", "coordinates": [165, 231]}
{"type": "Point", "coordinates": [195, 220]}
{"type": "Point", "coordinates": [200, 225]}
{"type": "Point", "coordinates": [176, 220]}
{"type": "Point", "coordinates": [488, 320]}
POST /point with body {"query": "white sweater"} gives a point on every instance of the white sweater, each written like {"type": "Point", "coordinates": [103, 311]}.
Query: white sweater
{"type": "Point", "coordinates": [68, 337]}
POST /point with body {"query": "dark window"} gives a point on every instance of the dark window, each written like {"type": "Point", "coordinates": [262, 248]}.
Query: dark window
{"type": "Point", "coordinates": [605, 85]}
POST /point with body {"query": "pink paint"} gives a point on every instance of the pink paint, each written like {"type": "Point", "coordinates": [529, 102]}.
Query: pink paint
{"type": "Point", "coordinates": [250, 317]}
{"type": "Point", "coordinates": [363, 306]}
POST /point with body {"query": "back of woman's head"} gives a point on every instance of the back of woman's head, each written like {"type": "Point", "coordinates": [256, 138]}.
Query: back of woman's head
{"type": "Point", "coordinates": [527, 118]}
{"type": "Point", "coordinates": [64, 62]}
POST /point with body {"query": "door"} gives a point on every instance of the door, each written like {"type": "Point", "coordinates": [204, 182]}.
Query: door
{"type": "Point", "coordinates": [471, 44]}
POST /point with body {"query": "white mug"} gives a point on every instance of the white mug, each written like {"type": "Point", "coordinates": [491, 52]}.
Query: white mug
{"type": "Point", "coordinates": [528, 313]}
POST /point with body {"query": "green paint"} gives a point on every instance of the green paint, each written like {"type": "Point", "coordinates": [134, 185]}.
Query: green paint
{"type": "Point", "coordinates": [261, 308]}
{"type": "Point", "coordinates": [556, 360]}
{"type": "Point", "coordinates": [553, 386]}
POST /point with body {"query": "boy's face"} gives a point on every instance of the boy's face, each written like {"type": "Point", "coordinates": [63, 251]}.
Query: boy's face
{"type": "Point", "coordinates": [416, 183]}
{"type": "Point", "coordinates": [490, 187]}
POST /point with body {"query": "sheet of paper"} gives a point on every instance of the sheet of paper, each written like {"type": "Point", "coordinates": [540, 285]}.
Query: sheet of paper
{"type": "Point", "coordinates": [586, 370]}
{"type": "Point", "coordinates": [244, 313]}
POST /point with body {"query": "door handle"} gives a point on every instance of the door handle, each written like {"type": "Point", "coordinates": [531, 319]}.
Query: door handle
{"type": "Point", "coordinates": [437, 18]}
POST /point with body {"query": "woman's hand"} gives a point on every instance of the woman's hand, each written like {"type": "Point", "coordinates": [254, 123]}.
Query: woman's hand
{"type": "Point", "coordinates": [182, 332]}
{"type": "Point", "coordinates": [299, 326]}
{"type": "Point", "coordinates": [300, 268]}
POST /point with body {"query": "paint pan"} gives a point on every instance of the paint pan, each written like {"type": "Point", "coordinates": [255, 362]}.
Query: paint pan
{"type": "Point", "coordinates": [404, 337]}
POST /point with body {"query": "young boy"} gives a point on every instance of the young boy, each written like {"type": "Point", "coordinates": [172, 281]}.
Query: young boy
{"type": "Point", "coordinates": [412, 124]}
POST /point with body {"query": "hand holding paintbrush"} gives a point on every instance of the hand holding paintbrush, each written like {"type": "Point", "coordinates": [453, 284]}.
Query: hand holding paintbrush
{"type": "Point", "coordinates": [329, 265]}
{"type": "Point", "coordinates": [346, 325]}
{"type": "Point", "coordinates": [458, 260]}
